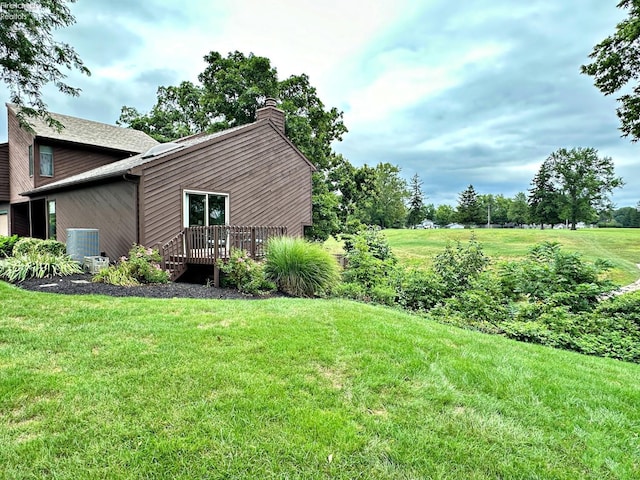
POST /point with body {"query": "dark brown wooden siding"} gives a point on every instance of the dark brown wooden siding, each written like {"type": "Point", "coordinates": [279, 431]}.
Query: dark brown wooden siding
{"type": "Point", "coordinates": [19, 141]}
{"type": "Point", "coordinates": [69, 160]}
{"type": "Point", "coordinates": [267, 180]}
{"type": "Point", "coordinates": [111, 208]}
{"type": "Point", "coordinates": [4, 172]}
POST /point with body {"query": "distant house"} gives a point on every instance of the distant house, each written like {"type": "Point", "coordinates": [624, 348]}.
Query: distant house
{"type": "Point", "coordinates": [455, 225]}
{"type": "Point", "coordinates": [132, 189]}
{"type": "Point", "coordinates": [428, 224]}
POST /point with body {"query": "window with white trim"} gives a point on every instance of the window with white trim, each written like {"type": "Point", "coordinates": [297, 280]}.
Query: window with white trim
{"type": "Point", "coordinates": [205, 208]}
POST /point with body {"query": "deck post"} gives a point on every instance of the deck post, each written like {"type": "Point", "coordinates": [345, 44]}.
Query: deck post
{"type": "Point", "coordinates": [253, 242]}
{"type": "Point", "coordinates": [216, 275]}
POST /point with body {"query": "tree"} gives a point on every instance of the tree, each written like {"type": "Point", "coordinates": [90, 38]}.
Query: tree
{"type": "Point", "coordinates": [30, 58]}
{"type": "Point", "coordinates": [231, 90]}
{"type": "Point", "coordinates": [468, 207]}
{"type": "Point", "coordinates": [387, 208]}
{"type": "Point", "coordinates": [356, 187]}
{"type": "Point", "coordinates": [584, 181]}
{"type": "Point", "coordinates": [445, 214]}
{"type": "Point", "coordinates": [615, 66]}
{"type": "Point", "coordinates": [519, 209]}
{"type": "Point", "coordinates": [417, 212]}
{"type": "Point", "coordinates": [545, 202]}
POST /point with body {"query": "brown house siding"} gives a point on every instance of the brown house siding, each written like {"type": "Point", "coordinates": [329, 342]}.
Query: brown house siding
{"type": "Point", "coordinates": [68, 161]}
{"type": "Point", "coordinates": [267, 181]}
{"type": "Point", "coordinates": [19, 142]}
{"type": "Point", "coordinates": [110, 208]}
{"type": "Point", "coordinates": [4, 172]}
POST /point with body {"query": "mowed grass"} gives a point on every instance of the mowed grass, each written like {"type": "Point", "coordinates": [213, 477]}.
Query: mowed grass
{"type": "Point", "coordinates": [620, 246]}
{"type": "Point", "coordinates": [98, 388]}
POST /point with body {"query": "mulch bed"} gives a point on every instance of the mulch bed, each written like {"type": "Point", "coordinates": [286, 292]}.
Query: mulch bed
{"type": "Point", "coordinates": [82, 285]}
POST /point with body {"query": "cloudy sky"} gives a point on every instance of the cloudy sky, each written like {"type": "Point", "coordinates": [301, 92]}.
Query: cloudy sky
{"type": "Point", "coordinates": [476, 92]}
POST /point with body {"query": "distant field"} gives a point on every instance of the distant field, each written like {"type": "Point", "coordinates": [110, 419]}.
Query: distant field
{"type": "Point", "coordinates": [620, 246]}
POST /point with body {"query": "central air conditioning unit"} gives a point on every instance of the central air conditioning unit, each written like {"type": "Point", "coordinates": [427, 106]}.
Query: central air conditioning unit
{"type": "Point", "coordinates": [83, 242]}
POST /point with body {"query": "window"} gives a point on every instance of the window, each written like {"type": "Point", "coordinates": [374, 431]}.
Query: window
{"type": "Point", "coordinates": [46, 161]}
{"type": "Point", "coordinates": [204, 209]}
{"type": "Point", "coordinates": [31, 160]}
{"type": "Point", "coordinates": [51, 213]}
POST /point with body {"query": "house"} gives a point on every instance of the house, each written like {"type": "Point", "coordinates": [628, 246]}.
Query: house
{"type": "Point", "coordinates": [134, 190]}
{"type": "Point", "coordinates": [455, 226]}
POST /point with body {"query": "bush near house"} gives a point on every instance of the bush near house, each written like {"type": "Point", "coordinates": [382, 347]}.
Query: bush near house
{"type": "Point", "coordinates": [6, 245]}
{"type": "Point", "coordinates": [36, 258]}
{"type": "Point", "coordinates": [245, 274]}
{"type": "Point", "coordinates": [300, 268]}
{"type": "Point", "coordinates": [142, 266]}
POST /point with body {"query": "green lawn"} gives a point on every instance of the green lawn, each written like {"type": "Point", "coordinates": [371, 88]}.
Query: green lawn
{"type": "Point", "coordinates": [95, 387]}
{"type": "Point", "coordinates": [620, 246]}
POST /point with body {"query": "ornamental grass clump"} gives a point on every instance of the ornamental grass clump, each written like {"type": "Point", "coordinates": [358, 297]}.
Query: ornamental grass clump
{"type": "Point", "coordinates": [300, 268]}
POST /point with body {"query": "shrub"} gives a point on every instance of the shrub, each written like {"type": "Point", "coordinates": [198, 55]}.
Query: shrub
{"type": "Point", "coordinates": [456, 267]}
{"type": "Point", "coordinates": [481, 306]}
{"type": "Point", "coordinates": [7, 244]}
{"type": "Point", "coordinates": [370, 261]}
{"type": "Point", "coordinates": [420, 290]}
{"type": "Point", "coordinates": [27, 245]}
{"type": "Point", "coordinates": [37, 265]}
{"type": "Point", "coordinates": [245, 274]}
{"type": "Point", "coordinates": [300, 268]}
{"type": "Point", "coordinates": [141, 266]}
{"type": "Point", "coordinates": [556, 277]}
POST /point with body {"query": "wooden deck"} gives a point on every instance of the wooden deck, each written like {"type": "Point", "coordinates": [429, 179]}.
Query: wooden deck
{"type": "Point", "coordinates": [207, 245]}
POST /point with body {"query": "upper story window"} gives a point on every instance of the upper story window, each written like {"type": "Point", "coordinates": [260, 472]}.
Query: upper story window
{"type": "Point", "coordinates": [31, 160]}
{"type": "Point", "coordinates": [46, 161]}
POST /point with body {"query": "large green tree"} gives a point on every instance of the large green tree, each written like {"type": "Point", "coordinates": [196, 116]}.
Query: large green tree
{"type": "Point", "coordinates": [387, 208]}
{"type": "Point", "coordinates": [518, 212]}
{"type": "Point", "coordinates": [583, 182]}
{"type": "Point", "coordinates": [31, 58]}
{"type": "Point", "coordinates": [444, 215]}
{"type": "Point", "coordinates": [615, 67]}
{"type": "Point", "coordinates": [231, 90]}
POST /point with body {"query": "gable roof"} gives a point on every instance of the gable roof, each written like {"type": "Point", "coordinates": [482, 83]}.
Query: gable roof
{"type": "Point", "coordinates": [127, 165]}
{"type": "Point", "coordinates": [88, 132]}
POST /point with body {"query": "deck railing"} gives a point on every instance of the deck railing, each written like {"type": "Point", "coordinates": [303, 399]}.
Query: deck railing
{"type": "Point", "coordinates": [205, 245]}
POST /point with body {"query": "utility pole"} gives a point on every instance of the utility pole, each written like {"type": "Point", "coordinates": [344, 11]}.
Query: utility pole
{"type": "Point", "coordinates": [489, 216]}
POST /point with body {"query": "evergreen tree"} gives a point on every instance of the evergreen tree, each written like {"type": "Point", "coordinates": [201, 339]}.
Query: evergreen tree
{"type": "Point", "coordinates": [417, 211]}
{"type": "Point", "coordinates": [469, 211]}
{"type": "Point", "coordinates": [545, 202]}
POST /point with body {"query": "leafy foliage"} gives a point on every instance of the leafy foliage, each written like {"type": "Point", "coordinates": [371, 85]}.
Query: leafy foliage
{"type": "Point", "coordinates": [300, 268]}
{"type": "Point", "coordinates": [457, 266]}
{"type": "Point", "coordinates": [557, 278]}
{"type": "Point", "coordinates": [30, 58]}
{"type": "Point", "coordinates": [615, 67]}
{"type": "Point", "coordinates": [141, 266]}
{"type": "Point", "coordinates": [7, 244]}
{"type": "Point", "coordinates": [28, 245]}
{"type": "Point", "coordinates": [36, 258]}
{"type": "Point", "coordinates": [245, 274]}
{"type": "Point", "coordinates": [370, 261]}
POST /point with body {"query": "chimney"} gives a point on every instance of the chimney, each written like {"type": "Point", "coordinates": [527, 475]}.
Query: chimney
{"type": "Point", "coordinates": [271, 112]}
